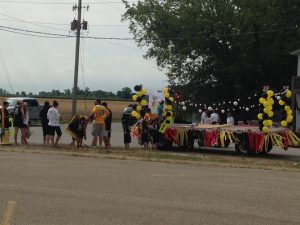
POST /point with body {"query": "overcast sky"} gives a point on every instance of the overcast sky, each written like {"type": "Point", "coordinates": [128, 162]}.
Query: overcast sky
{"type": "Point", "coordinates": [42, 64]}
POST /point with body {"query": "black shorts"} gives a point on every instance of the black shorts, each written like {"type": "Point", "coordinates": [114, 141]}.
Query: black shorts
{"type": "Point", "coordinates": [127, 138]}
{"type": "Point", "coordinates": [46, 129]}
{"type": "Point", "coordinates": [53, 129]}
{"type": "Point", "coordinates": [19, 124]}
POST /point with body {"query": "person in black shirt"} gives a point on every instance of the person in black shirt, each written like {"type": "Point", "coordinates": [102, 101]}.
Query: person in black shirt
{"type": "Point", "coordinates": [44, 122]}
{"type": "Point", "coordinates": [108, 121]}
{"type": "Point", "coordinates": [126, 130]}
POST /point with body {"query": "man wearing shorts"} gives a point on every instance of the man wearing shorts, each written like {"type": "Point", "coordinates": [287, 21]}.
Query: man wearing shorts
{"type": "Point", "coordinates": [53, 117]}
{"type": "Point", "coordinates": [99, 115]}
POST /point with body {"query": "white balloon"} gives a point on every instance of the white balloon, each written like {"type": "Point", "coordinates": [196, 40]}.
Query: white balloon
{"type": "Point", "coordinates": [182, 103]}
{"type": "Point", "coordinates": [196, 105]}
{"type": "Point", "coordinates": [247, 109]}
{"type": "Point", "coordinates": [235, 103]}
{"type": "Point", "coordinates": [278, 98]}
{"type": "Point", "coordinates": [210, 108]}
{"type": "Point", "coordinates": [200, 111]}
{"type": "Point", "coordinates": [183, 108]}
{"type": "Point", "coordinates": [222, 111]}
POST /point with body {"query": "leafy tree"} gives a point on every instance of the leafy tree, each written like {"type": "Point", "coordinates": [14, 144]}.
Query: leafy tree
{"type": "Point", "coordinates": [213, 48]}
{"type": "Point", "coordinates": [124, 93]}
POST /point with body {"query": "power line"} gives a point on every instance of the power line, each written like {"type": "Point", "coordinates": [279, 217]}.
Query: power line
{"type": "Point", "coordinates": [32, 35]}
{"type": "Point", "coordinates": [142, 39]}
{"type": "Point", "coordinates": [36, 32]}
{"type": "Point", "coordinates": [63, 24]}
{"type": "Point", "coordinates": [32, 23]}
{"type": "Point", "coordinates": [62, 3]}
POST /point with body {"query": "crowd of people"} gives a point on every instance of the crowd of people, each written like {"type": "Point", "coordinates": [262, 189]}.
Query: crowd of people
{"type": "Point", "coordinates": [101, 117]}
{"type": "Point", "coordinates": [146, 129]}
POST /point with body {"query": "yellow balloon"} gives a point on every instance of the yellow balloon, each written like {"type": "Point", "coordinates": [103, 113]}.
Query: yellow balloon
{"type": "Point", "coordinates": [289, 118]}
{"type": "Point", "coordinates": [171, 99]}
{"type": "Point", "coordinates": [167, 95]}
{"type": "Point", "coordinates": [283, 123]}
{"type": "Point", "coordinates": [262, 100]}
{"type": "Point", "coordinates": [270, 123]}
{"type": "Point", "coordinates": [166, 90]}
{"type": "Point", "coordinates": [266, 104]}
{"type": "Point", "coordinates": [288, 94]}
{"type": "Point", "coordinates": [289, 112]}
{"type": "Point", "coordinates": [270, 108]}
{"type": "Point", "coordinates": [266, 129]}
{"type": "Point", "coordinates": [265, 122]}
{"type": "Point", "coordinates": [266, 110]}
{"type": "Point", "coordinates": [144, 92]}
{"type": "Point", "coordinates": [281, 102]}
{"type": "Point", "coordinates": [139, 108]}
{"type": "Point", "coordinates": [270, 114]}
{"type": "Point", "coordinates": [287, 108]}
{"type": "Point", "coordinates": [260, 116]}
{"type": "Point", "coordinates": [169, 107]}
{"type": "Point", "coordinates": [270, 93]}
{"type": "Point", "coordinates": [134, 113]}
{"type": "Point", "coordinates": [144, 102]}
{"type": "Point", "coordinates": [138, 116]}
{"type": "Point", "coordinates": [139, 93]}
{"type": "Point", "coordinates": [271, 101]}
{"type": "Point", "coordinates": [134, 97]}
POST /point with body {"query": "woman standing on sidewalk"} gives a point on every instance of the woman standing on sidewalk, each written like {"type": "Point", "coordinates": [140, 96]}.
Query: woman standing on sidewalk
{"type": "Point", "coordinates": [18, 120]}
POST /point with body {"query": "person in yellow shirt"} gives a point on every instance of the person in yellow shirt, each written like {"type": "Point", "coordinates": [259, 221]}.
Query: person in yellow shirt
{"type": "Point", "coordinates": [98, 131]}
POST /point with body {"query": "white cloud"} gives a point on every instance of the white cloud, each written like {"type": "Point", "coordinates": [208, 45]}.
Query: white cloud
{"type": "Point", "coordinates": [38, 64]}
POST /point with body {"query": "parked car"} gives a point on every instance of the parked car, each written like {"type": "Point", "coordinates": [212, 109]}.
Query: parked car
{"type": "Point", "coordinates": [34, 106]}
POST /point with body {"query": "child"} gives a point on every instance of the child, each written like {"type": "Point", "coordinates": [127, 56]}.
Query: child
{"type": "Point", "coordinates": [81, 130]}
{"type": "Point", "coordinates": [145, 134]}
{"type": "Point", "coordinates": [72, 129]}
{"type": "Point", "coordinates": [77, 130]}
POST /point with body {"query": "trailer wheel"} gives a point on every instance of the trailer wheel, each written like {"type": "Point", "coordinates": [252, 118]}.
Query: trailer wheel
{"type": "Point", "coordinates": [241, 149]}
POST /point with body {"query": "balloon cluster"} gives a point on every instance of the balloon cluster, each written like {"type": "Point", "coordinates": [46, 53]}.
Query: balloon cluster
{"type": "Point", "coordinates": [286, 113]}
{"type": "Point", "coordinates": [139, 97]}
{"type": "Point", "coordinates": [266, 111]}
{"type": "Point", "coordinates": [168, 102]}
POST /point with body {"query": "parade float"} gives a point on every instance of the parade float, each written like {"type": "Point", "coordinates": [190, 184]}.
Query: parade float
{"type": "Point", "coordinates": [247, 139]}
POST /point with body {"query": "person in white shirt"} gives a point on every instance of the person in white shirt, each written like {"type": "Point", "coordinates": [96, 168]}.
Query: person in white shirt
{"type": "Point", "coordinates": [230, 119]}
{"type": "Point", "coordinates": [53, 117]}
{"type": "Point", "coordinates": [214, 117]}
{"type": "Point", "coordinates": [204, 117]}
{"type": "Point", "coordinates": [25, 127]}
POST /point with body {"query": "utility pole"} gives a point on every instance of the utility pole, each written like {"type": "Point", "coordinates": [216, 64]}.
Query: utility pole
{"type": "Point", "coordinates": [78, 29]}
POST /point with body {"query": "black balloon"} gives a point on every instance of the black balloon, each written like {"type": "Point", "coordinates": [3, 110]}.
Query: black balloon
{"type": "Point", "coordinates": [134, 106]}
{"type": "Point", "coordinates": [168, 101]}
{"type": "Point", "coordinates": [137, 87]}
{"type": "Point", "coordinates": [264, 95]}
{"type": "Point", "coordinates": [139, 99]}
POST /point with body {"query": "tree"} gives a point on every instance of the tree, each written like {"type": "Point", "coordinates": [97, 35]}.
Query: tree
{"type": "Point", "coordinates": [213, 48]}
{"type": "Point", "coordinates": [124, 93]}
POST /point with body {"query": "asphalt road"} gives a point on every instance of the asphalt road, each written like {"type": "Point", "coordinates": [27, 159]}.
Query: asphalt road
{"type": "Point", "coordinates": [66, 190]}
{"type": "Point", "coordinates": [117, 141]}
